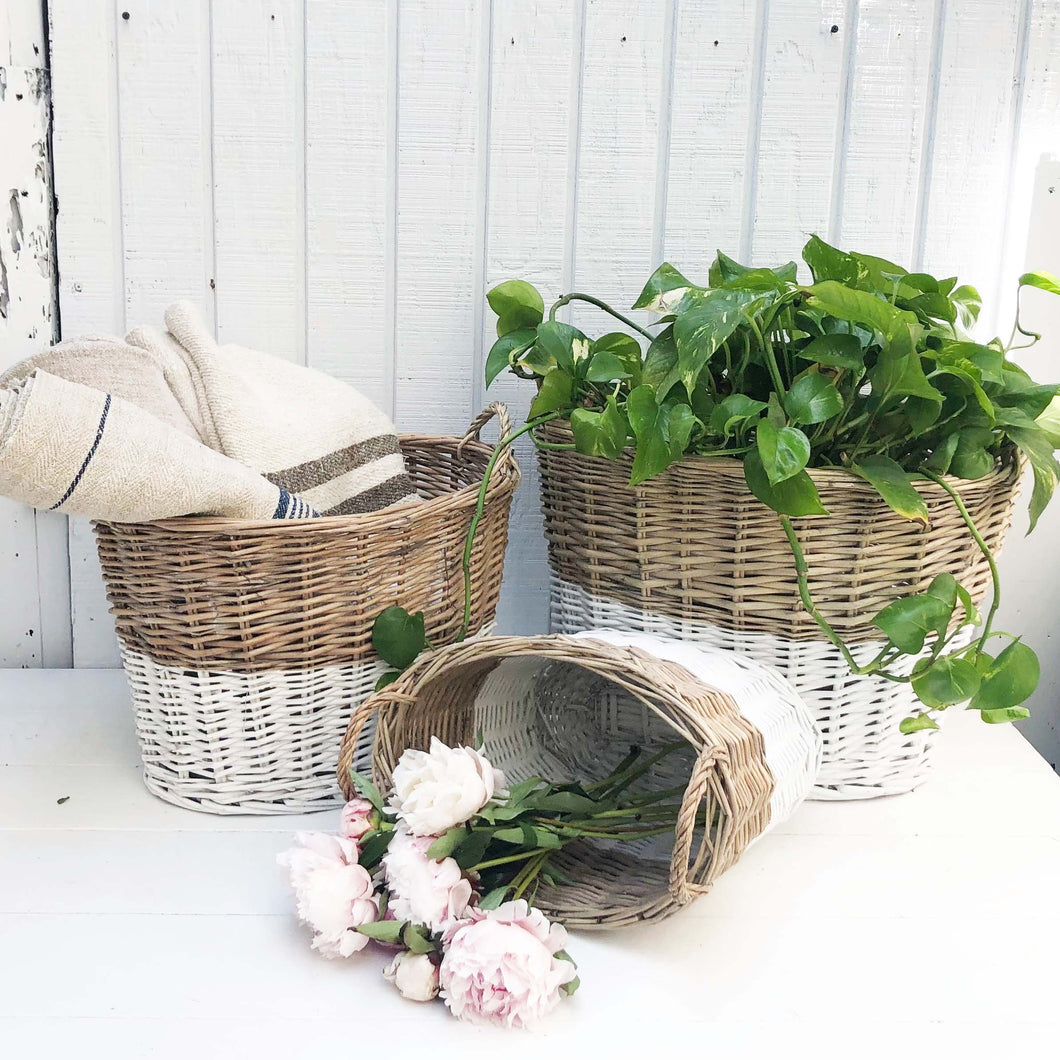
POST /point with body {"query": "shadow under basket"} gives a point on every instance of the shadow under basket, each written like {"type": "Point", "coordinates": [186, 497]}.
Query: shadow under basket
{"type": "Point", "coordinates": [569, 709]}
{"type": "Point", "coordinates": [248, 644]}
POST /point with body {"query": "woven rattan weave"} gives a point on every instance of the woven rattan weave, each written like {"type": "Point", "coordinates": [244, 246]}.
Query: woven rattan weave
{"type": "Point", "coordinates": [693, 554]}
{"type": "Point", "coordinates": [694, 542]}
{"type": "Point", "coordinates": [569, 708]}
{"type": "Point", "coordinates": [248, 644]}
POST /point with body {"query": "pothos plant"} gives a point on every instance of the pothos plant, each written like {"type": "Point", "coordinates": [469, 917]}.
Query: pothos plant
{"type": "Point", "coordinates": [869, 369]}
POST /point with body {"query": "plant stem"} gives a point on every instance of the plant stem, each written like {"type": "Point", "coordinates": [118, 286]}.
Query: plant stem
{"type": "Point", "coordinates": [983, 547]}
{"type": "Point", "coordinates": [577, 296]}
{"type": "Point", "coordinates": [480, 508]}
{"type": "Point", "coordinates": [802, 572]}
{"type": "Point", "coordinates": [503, 861]}
{"type": "Point", "coordinates": [770, 355]}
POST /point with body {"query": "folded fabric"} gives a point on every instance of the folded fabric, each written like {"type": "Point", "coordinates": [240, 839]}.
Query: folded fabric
{"type": "Point", "coordinates": [304, 431]}
{"type": "Point", "coordinates": [72, 448]}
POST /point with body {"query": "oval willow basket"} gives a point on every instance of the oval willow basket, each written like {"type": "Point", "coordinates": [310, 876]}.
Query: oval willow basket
{"type": "Point", "coordinates": [247, 644]}
{"type": "Point", "coordinates": [693, 554]}
{"type": "Point", "coordinates": [568, 708]}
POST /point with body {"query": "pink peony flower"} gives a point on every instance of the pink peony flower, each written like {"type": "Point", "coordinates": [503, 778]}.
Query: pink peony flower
{"type": "Point", "coordinates": [414, 974]}
{"type": "Point", "coordinates": [423, 890]}
{"type": "Point", "coordinates": [445, 786]}
{"type": "Point", "coordinates": [499, 967]}
{"type": "Point", "coordinates": [334, 893]}
{"type": "Point", "coordinates": [356, 818]}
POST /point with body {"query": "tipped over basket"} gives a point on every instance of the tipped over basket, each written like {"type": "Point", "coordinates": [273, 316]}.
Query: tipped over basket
{"type": "Point", "coordinates": [247, 644]}
{"type": "Point", "coordinates": [568, 709]}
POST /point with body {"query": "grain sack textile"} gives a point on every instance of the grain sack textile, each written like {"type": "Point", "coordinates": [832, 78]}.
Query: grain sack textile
{"type": "Point", "coordinates": [248, 644]}
{"type": "Point", "coordinates": [321, 447]}
{"type": "Point", "coordinates": [692, 554]}
{"type": "Point", "coordinates": [569, 708]}
{"type": "Point", "coordinates": [71, 448]}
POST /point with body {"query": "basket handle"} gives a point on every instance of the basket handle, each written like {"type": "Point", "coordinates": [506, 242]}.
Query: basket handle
{"type": "Point", "coordinates": [358, 720]}
{"type": "Point", "coordinates": [681, 890]}
{"type": "Point", "coordinates": [497, 409]}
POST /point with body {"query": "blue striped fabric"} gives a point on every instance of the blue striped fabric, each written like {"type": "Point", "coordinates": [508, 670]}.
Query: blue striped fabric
{"type": "Point", "coordinates": [292, 507]}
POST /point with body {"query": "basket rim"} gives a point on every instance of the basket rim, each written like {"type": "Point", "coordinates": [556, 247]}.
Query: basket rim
{"type": "Point", "coordinates": [506, 477]}
{"type": "Point", "coordinates": [832, 478]}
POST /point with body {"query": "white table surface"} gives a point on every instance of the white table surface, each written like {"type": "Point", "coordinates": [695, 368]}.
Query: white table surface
{"type": "Point", "coordinates": [919, 925]}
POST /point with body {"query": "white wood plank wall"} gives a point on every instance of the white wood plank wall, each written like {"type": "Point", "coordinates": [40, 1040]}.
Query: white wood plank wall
{"type": "Point", "coordinates": [340, 182]}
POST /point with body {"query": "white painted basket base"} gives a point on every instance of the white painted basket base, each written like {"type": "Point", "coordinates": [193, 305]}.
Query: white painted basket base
{"type": "Point", "coordinates": [864, 753]}
{"type": "Point", "coordinates": [564, 722]}
{"type": "Point", "coordinates": [258, 743]}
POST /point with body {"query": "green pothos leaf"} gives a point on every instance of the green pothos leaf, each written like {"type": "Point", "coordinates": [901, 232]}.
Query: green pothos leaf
{"type": "Point", "coordinates": [892, 484]}
{"type": "Point", "coordinates": [794, 496]}
{"type": "Point", "coordinates": [399, 637]}
{"type": "Point", "coordinates": [518, 304]}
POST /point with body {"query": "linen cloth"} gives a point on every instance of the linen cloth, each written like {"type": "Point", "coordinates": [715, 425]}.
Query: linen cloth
{"type": "Point", "coordinates": [71, 448]}
{"type": "Point", "coordinates": [313, 437]}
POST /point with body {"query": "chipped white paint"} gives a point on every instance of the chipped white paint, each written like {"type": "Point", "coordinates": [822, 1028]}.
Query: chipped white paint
{"type": "Point", "coordinates": [34, 585]}
{"type": "Point", "coordinates": [341, 182]}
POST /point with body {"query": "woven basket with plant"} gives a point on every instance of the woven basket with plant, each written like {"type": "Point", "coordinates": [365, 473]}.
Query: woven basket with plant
{"type": "Point", "coordinates": [818, 474]}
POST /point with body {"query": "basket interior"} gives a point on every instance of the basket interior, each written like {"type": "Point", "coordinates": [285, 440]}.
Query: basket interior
{"type": "Point", "coordinates": [565, 722]}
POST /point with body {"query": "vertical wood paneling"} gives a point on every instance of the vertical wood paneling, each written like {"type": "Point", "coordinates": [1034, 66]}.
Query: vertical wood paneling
{"type": "Point", "coordinates": [971, 150]}
{"type": "Point", "coordinates": [259, 179]}
{"type": "Point", "coordinates": [622, 70]}
{"type": "Point", "coordinates": [439, 216]}
{"type": "Point", "coordinates": [885, 129]}
{"type": "Point", "coordinates": [801, 108]}
{"type": "Point", "coordinates": [711, 116]}
{"type": "Point", "coordinates": [531, 117]}
{"type": "Point", "coordinates": [1037, 137]}
{"type": "Point", "coordinates": [166, 199]}
{"type": "Point", "coordinates": [89, 246]}
{"type": "Point", "coordinates": [349, 228]}
{"type": "Point", "coordinates": [353, 176]}
{"type": "Point", "coordinates": [34, 565]}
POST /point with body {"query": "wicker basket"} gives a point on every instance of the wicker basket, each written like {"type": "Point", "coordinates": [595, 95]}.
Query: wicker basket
{"type": "Point", "coordinates": [247, 644]}
{"type": "Point", "coordinates": [693, 554]}
{"type": "Point", "coordinates": [568, 708]}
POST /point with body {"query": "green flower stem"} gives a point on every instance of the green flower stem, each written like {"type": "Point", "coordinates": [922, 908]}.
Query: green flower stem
{"type": "Point", "coordinates": [503, 861]}
{"type": "Point", "coordinates": [529, 874]}
{"type": "Point", "coordinates": [577, 296]}
{"type": "Point", "coordinates": [983, 547]}
{"type": "Point", "coordinates": [480, 508]}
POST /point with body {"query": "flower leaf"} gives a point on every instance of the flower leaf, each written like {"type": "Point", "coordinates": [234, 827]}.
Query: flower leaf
{"type": "Point", "coordinates": [388, 931]}
{"type": "Point", "coordinates": [495, 898]}
{"type": "Point", "coordinates": [445, 844]}
{"type": "Point", "coordinates": [366, 788]}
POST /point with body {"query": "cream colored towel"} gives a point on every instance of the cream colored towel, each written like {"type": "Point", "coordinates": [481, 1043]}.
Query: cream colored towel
{"type": "Point", "coordinates": [306, 432]}
{"type": "Point", "coordinates": [68, 447]}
